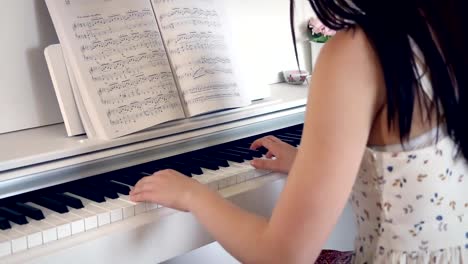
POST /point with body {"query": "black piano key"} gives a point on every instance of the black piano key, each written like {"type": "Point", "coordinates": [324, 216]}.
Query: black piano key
{"type": "Point", "coordinates": [263, 150]}
{"type": "Point", "coordinates": [28, 211]}
{"type": "Point", "coordinates": [290, 139]}
{"type": "Point", "coordinates": [4, 224]}
{"type": "Point", "coordinates": [13, 216]}
{"type": "Point", "coordinates": [119, 188]}
{"type": "Point", "coordinates": [68, 200]}
{"type": "Point", "coordinates": [228, 156]}
{"type": "Point", "coordinates": [126, 180]}
{"type": "Point", "coordinates": [296, 136]}
{"type": "Point", "coordinates": [88, 194]}
{"type": "Point", "coordinates": [254, 153]}
{"type": "Point", "coordinates": [205, 163]}
{"type": "Point", "coordinates": [51, 204]}
{"type": "Point", "coordinates": [192, 168]}
{"type": "Point", "coordinates": [102, 189]}
{"type": "Point", "coordinates": [244, 154]}
{"type": "Point", "coordinates": [217, 160]}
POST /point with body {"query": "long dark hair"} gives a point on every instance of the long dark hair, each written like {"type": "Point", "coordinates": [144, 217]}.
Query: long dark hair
{"type": "Point", "coordinates": [438, 28]}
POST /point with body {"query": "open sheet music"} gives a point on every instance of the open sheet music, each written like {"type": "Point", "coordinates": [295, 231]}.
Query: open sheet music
{"type": "Point", "coordinates": [139, 63]}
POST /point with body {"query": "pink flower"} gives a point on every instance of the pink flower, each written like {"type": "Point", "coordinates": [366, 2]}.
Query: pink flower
{"type": "Point", "coordinates": [318, 27]}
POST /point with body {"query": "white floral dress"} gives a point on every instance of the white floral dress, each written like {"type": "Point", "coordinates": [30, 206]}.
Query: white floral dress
{"type": "Point", "coordinates": [412, 207]}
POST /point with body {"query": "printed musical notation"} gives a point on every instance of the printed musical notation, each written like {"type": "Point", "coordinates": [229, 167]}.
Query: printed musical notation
{"type": "Point", "coordinates": [196, 40]}
{"type": "Point", "coordinates": [128, 65]}
{"type": "Point", "coordinates": [188, 13]}
{"type": "Point", "coordinates": [132, 112]}
{"type": "Point", "coordinates": [102, 50]}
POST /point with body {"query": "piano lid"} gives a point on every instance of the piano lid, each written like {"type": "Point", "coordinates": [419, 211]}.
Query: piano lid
{"type": "Point", "coordinates": [50, 143]}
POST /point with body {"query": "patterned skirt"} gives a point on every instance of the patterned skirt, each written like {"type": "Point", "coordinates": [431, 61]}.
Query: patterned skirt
{"type": "Point", "coordinates": [335, 257]}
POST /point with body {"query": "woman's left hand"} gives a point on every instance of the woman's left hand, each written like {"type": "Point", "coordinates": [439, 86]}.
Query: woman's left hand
{"type": "Point", "coordinates": [168, 188]}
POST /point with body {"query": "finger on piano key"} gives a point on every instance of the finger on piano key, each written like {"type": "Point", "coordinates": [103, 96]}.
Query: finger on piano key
{"type": "Point", "coordinates": [139, 208]}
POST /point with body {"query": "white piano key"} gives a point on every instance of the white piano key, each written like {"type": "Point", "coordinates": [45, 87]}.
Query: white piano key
{"type": "Point", "coordinates": [116, 209]}
{"type": "Point", "coordinates": [5, 246]}
{"type": "Point", "coordinates": [49, 232]}
{"type": "Point", "coordinates": [90, 220]}
{"type": "Point", "coordinates": [18, 240]}
{"type": "Point", "coordinates": [32, 233]}
{"type": "Point", "coordinates": [140, 208]}
{"type": "Point", "coordinates": [51, 217]}
{"type": "Point", "coordinates": [128, 208]}
{"type": "Point", "coordinates": [103, 215]}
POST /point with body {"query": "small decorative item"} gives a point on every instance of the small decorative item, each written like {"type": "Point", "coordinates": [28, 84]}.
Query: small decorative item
{"type": "Point", "coordinates": [319, 35]}
{"type": "Point", "coordinates": [295, 77]}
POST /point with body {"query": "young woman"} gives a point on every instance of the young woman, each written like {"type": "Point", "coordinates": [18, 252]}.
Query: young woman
{"type": "Point", "coordinates": [384, 124]}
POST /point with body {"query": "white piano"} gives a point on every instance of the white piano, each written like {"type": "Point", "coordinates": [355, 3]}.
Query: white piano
{"type": "Point", "coordinates": [64, 199]}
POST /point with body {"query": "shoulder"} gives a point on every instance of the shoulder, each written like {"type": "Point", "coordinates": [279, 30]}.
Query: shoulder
{"type": "Point", "coordinates": [351, 47]}
{"type": "Point", "coordinates": [350, 61]}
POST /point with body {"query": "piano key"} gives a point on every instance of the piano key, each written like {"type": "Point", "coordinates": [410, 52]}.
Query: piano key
{"type": "Point", "coordinates": [128, 207]}
{"type": "Point", "coordinates": [63, 227]}
{"type": "Point", "coordinates": [90, 219]}
{"type": "Point", "coordinates": [67, 200]}
{"type": "Point", "coordinates": [103, 215]}
{"type": "Point", "coordinates": [13, 216]}
{"type": "Point", "coordinates": [227, 156]}
{"type": "Point", "coordinates": [139, 208]}
{"type": "Point", "coordinates": [101, 189]}
{"type": "Point", "coordinates": [28, 211]}
{"type": "Point", "coordinates": [254, 153]}
{"type": "Point", "coordinates": [126, 180]}
{"type": "Point", "coordinates": [33, 234]}
{"type": "Point", "coordinates": [17, 239]}
{"type": "Point", "coordinates": [289, 136]}
{"type": "Point", "coordinates": [244, 154]}
{"type": "Point", "coordinates": [185, 165]}
{"type": "Point", "coordinates": [119, 188]}
{"type": "Point", "coordinates": [4, 223]}
{"type": "Point", "coordinates": [49, 232]}
{"type": "Point", "coordinates": [5, 246]}
{"type": "Point", "coordinates": [50, 204]}
{"type": "Point", "coordinates": [217, 160]}
{"type": "Point", "coordinates": [82, 191]}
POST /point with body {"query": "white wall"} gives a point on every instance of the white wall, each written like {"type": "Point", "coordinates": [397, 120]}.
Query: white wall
{"type": "Point", "coordinates": [27, 98]}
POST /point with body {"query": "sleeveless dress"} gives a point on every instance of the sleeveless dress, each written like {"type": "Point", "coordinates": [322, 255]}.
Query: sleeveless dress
{"type": "Point", "coordinates": [411, 202]}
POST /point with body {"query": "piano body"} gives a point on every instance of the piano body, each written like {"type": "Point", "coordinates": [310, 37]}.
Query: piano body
{"type": "Point", "coordinates": [64, 199]}
{"type": "Point", "coordinates": [126, 232]}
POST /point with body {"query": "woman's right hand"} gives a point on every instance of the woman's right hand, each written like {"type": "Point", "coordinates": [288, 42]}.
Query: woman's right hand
{"type": "Point", "coordinates": [280, 156]}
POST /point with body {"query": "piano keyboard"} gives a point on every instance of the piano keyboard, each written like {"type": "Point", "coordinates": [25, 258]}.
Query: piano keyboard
{"type": "Point", "coordinates": [37, 218]}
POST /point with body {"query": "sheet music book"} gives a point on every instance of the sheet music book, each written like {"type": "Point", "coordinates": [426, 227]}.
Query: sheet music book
{"type": "Point", "coordinates": [139, 63]}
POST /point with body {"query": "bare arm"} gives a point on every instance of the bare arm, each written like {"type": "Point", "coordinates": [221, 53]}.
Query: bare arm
{"type": "Point", "coordinates": [344, 98]}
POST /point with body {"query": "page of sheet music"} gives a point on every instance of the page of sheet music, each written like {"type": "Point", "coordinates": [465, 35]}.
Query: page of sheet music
{"type": "Point", "coordinates": [118, 56]}
{"type": "Point", "coordinates": [195, 37]}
